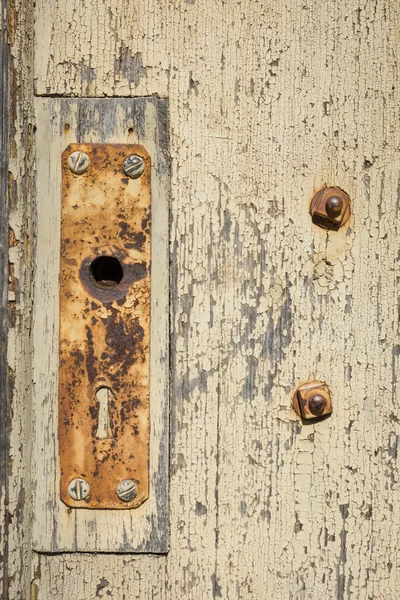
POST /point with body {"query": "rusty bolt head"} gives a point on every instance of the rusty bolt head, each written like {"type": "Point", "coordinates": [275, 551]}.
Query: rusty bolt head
{"type": "Point", "coordinates": [134, 166]}
{"type": "Point", "coordinates": [330, 208]}
{"type": "Point", "coordinates": [334, 206]}
{"type": "Point", "coordinates": [312, 400]}
{"type": "Point", "coordinates": [317, 404]}
{"type": "Point", "coordinates": [78, 162]}
{"type": "Point", "coordinates": [127, 490]}
{"type": "Point", "coordinates": [79, 489]}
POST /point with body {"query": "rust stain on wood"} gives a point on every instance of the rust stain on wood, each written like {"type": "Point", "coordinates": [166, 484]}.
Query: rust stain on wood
{"type": "Point", "coordinates": [105, 325]}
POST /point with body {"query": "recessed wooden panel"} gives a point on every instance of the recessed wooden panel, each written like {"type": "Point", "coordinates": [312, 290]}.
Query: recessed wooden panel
{"type": "Point", "coordinates": [82, 309]}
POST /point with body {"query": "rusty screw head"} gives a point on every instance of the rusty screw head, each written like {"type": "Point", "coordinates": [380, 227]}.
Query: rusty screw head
{"type": "Point", "coordinates": [127, 490]}
{"type": "Point", "coordinates": [312, 399]}
{"type": "Point", "coordinates": [134, 166]}
{"type": "Point", "coordinates": [79, 489]}
{"type": "Point", "coordinates": [78, 162]}
{"type": "Point", "coordinates": [330, 208]}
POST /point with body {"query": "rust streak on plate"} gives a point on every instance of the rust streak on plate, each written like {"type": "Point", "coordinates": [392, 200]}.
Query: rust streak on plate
{"type": "Point", "coordinates": [105, 326]}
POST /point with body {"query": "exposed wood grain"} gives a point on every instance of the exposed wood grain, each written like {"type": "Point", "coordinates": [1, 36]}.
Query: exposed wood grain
{"type": "Point", "coordinates": [4, 413]}
{"type": "Point", "coordinates": [20, 177]}
{"type": "Point", "coordinates": [55, 527]}
{"type": "Point", "coordinates": [268, 103]}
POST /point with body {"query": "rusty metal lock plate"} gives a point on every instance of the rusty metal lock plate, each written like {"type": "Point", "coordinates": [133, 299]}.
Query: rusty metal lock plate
{"type": "Point", "coordinates": [104, 367]}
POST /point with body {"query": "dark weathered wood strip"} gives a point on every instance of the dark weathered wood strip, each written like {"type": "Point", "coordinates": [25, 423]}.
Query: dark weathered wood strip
{"type": "Point", "coordinates": [4, 424]}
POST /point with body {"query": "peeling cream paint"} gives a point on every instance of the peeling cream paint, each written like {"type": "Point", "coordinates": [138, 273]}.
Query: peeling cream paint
{"type": "Point", "coordinates": [268, 103]}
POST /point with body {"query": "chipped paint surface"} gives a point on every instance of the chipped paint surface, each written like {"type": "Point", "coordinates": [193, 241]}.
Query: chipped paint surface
{"type": "Point", "coordinates": [105, 325]}
{"type": "Point", "coordinates": [269, 102]}
{"type": "Point", "coordinates": [17, 509]}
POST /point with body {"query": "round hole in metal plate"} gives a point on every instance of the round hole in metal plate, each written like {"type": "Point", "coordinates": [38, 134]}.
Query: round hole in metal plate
{"type": "Point", "coordinates": [106, 272]}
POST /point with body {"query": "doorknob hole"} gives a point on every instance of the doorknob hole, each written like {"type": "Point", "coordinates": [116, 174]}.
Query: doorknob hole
{"type": "Point", "coordinates": [106, 272]}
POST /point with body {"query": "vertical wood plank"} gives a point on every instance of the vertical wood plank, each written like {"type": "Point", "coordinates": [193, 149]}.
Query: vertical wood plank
{"type": "Point", "coordinates": [20, 176]}
{"type": "Point", "coordinates": [4, 413]}
{"type": "Point", "coordinates": [299, 506]}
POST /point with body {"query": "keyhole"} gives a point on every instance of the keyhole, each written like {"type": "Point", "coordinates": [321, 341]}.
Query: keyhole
{"type": "Point", "coordinates": [103, 395]}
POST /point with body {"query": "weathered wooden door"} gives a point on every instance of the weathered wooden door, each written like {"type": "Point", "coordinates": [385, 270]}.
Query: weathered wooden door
{"type": "Point", "coordinates": [267, 103]}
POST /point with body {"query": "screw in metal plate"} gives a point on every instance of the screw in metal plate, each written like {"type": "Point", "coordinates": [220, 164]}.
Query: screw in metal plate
{"type": "Point", "coordinates": [79, 489]}
{"type": "Point", "coordinates": [78, 162]}
{"type": "Point", "coordinates": [134, 166]}
{"type": "Point", "coordinates": [127, 490]}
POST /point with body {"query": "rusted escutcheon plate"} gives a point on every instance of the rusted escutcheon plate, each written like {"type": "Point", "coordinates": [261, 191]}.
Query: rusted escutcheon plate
{"type": "Point", "coordinates": [104, 371]}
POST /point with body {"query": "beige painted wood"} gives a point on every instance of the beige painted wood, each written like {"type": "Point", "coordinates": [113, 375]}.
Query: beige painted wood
{"type": "Point", "coordinates": [123, 577]}
{"type": "Point", "coordinates": [268, 101]}
{"type": "Point", "coordinates": [56, 527]}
